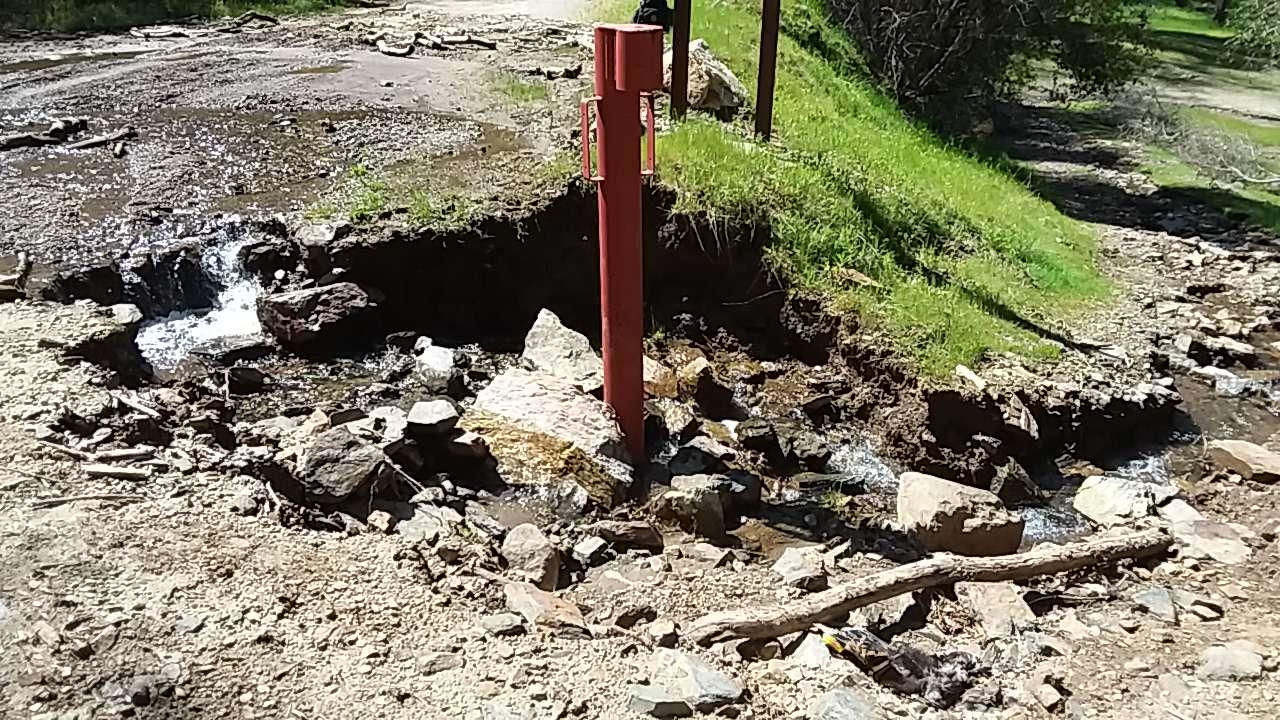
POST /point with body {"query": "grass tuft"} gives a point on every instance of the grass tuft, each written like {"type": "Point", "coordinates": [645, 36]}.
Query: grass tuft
{"type": "Point", "coordinates": [519, 88]}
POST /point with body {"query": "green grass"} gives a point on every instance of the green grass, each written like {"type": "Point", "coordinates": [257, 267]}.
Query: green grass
{"type": "Point", "coordinates": [1170, 19]}
{"type": "Point", "coordinates": [1168, 171]}
{"type": "Point", "coordinates": [67, 15]}
{"type": "Point", "coordinates": [968, 260]}
{"type": "Point", "coordinates": [368, 195]}
{"type": "Point", "coordinates": [519, 88]}
{"type": "Point", "coordinates": [441, 212]}
{"type": "Point", "coordinates": [1266, 135]}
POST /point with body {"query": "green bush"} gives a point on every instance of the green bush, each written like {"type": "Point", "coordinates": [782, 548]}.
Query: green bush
{"type": "Point", "coordinates": [1257, 25]}
{"type": "Point", "coordinates": [939, 58]}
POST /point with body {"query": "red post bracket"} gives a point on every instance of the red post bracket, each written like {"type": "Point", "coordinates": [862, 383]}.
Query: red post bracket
{"type": "Point", "coordinates": [586, 138]}
{"type": "Point", "coordinates": [650, 135]}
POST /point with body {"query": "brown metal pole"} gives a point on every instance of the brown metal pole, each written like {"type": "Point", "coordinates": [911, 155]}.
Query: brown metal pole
{"type": "Point", "coordinates": [768, 67]}
{"type": "Point", "coordinates": [680, 61]}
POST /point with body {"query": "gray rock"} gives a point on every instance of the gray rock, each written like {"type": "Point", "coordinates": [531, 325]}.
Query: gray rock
{"type": "Point", "coordinates": [949, 516]}
{"type": "Point", "coordinates": [802, 567]}
{"type": "Point", "coordinates": [1237, 660]}
{"type": "Point", "coordinates": [691, 460]}
{"type": "Point", "coordinates": [432, 418]}
{"type": "Point", "coordinates": [628, 533]}
{"type": "Point", "coordinates": [436, 367]}
{"type": "Point", "coordinates": [1250, 461]}
{"type": "Point", "coordinates": [437, 662]}
{"type": "Point", "coordinates": [556, 350]}
{"type": "Point", "coordinates": [531, 556]}
{"type": "Point", "coordinates": [713, 87]}
{"type": "Point", "coordinates": [555, 407]}
{"type": "Point", "coordinates": [328, 314]}
{"type": "Point", "coordinates": [706, 552]}
{"type": "Point", "coordinates": [999, 605]}
{"type": "Point", "coordinates": [657, 702]}
{"type": "Point", "coordinates": [1212, 540]}
{"type": "Point", "coordinates": [694, 510]}
{"type": "Point", "coordinates": [502, 624]}
{"type": "Point", "coordinates": [1158, 602]}
{"type": "Point", "coordinates": [803, 447]}
{"type": "Point", "coordinates": [844, 704]}
{"type": "Point", "coordinates": [189, 623]}
{"type": "Point", "coordinates": [698, 379]}
{"type": "Point", "coordinates": [541, 608]}
{"type": "Point", "coordinates": [812, 652]}
{"type": "Point", "coordinates": [1112, 501]}
{"type": "Point", "coordinates": [664, 632]}
{"type": "Point", "coordinates": [590, 550]}
{"type": "Point", "coordinates": [245, 502]}
{"type": "Point", "coordinates": [336, 465]}
{"type": "Point", "coordinates": [694, 681]}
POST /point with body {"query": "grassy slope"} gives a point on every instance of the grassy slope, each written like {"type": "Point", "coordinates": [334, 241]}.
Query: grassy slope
{"type": "Point", "coordinates": [965, 256]}
{"type": "Point", "coordinates": [67, 15]}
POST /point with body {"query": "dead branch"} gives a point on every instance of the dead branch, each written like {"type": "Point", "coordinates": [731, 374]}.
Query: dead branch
{"type": "Point", "coordinates": [387, 48]}
{"type": "Point", "coordinates": [136, 404]}
{"type": "Point", "coordinates": [134, 453]}
{"type": "Point", "coordinates": [38, 478]}
{"type": "Point", "coordinates": [68, 451]}
{"type": "Point", "coordinates": [55, 502]}
{"type": "Point", "coordinates": [117, 472]}
{"type": "Point", "coordinates": [157, 33]}
{"type": "Point", "coordinates": [58, 132]}
{"type": "Point", "coordinates": [250, 16]}
{"type": "Point", "coordinates": [469, 40]}
{"type": "Point", "coordinates": [429, 41]}
{"type": "Point", "coordinates": [944, 569]}
{"type": "Point", "coordinates": [100, 140]}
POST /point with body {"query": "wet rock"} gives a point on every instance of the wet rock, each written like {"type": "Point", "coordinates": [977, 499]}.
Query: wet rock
{"type": "Point", "coordinates": [336, 465]}
{"type": "Point", "coordinates": [698, 380]}
{"type": "Point", "coordinates": [694, 510]}
{"type": "Point", "coordinates": [329, 314]}
{"type": "Point", "coordinates": [502, 624]}
{"type": "Point", "coordinates": [557, 408]}
{"type": "Point", "coordinates": [436, 368]}
{"type": "Point", "coordinates": [628, 534]}
{"type": "Point", "coordinates": [949, 516]}
{"type": "Point", "coordinates": [245, 380]}
{"type": "Point", "coordinates": [657, 702]}
{"type": "Point", "coordinates": [1112, 501]}
{"type": "Point", "coordinates": [314, 240]}
{"type": "Point", "coordinates": [542, 609]}
{"type": "Point", "coordinates": [803, 447]}
{"type": "Point", "coordinates": [999, 606]}
{"type": "Point", "coordinates": [431, 418]}
{"type": "Point", "coordinates": [529, 457]}
{"type": "Point", "coordinates": [531, 556]}
{"type": "Point", "coordinates": [235, 349]}
{"type": "Point", "coordinates": [1250, 461]}
{"type": "Point", "coordinates": [686, 676]}
{"type": "Point", "coordinates": [844, 704]}
{"type": "Point", "coordinates": [561, 352]}
{"type": "Point", "coordinates": [712, 85]}
{"type": "Point", "coordinates": [801, 567]}
{"type": "Point", "coordinates": [1236, 660]}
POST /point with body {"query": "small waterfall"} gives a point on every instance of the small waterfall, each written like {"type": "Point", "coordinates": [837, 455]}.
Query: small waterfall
{"type": "Point", "coordinates": [166, 341]}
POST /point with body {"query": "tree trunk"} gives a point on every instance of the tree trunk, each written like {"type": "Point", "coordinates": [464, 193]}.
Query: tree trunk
{"type": "Point", "coordinates": [1220, 12]}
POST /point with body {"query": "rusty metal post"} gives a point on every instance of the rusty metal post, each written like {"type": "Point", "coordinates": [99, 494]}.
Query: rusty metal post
{"type": "Point", "coordinates": [768, 67]}
{"type": "Point", "coordinates": [680, 61]}
{"type": "Point", "coordinates": [628, 69]}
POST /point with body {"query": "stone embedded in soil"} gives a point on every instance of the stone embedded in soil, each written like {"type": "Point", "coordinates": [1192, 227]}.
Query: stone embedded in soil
{"type": "Point", "coordinates": [698, 380]}
{"type": "Point", "coordinates": [531, 556]}
{"type": "Point", "coordinates": [949, 516]}
{"type": "Point", "coordinates": [657, 702]}
{"type": "Point", "coordinates": [999, 606]}
{"type": "Point", "coordinates": [634, 614]}
{"type": "Point", "coordinates": [628, 534]}
{"type": "Point", "coordinates": [664, 632]}
{"type": "Point", "coordinates": [329, 314]}
{"type": "Point", "coordinates": [844, 704]}
{"type": "Point", "coordinates": [757, 434]}
{"type": "Point", "coordinates": [502, 624]}
{"type": "Point", "coordinates": [690, 678]}
{"type": "Point", "coordinates": [1236, 660]}
{"type": "Point", "coordinates": [1158, 602]}
{"type": "Point", "coordinates": [541, 608]}
{"type": "Point", "coordinates": [1250, 461]}
{"type": "Point", "coordinates": [1112, 501]}
{"type": "Point", "coordinates": [802, 567]}
{"type": "Point", "coordinates": [438, 662]}
{"type": "Point", "coordinates": [431, 418]}
{"type": "Point", "coordinates": [436, 367]}
{"type": "Point", "coordinates": [559, 351]}
{"type": "Point", "coordinates": [336, 465]}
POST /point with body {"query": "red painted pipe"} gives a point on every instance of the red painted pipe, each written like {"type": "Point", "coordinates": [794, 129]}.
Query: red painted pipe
{"type": "Point", "coordinates": [628, 63]}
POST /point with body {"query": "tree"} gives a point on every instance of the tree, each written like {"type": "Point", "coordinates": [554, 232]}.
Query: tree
{"type": "Point", "coordinates": [1257, 26]}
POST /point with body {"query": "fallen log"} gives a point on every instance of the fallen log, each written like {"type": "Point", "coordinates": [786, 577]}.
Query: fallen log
{"type": "Point", "coordinates": [58, 132]}
{"type": "Point", "coordinates": [100, 140]}
{"type": "Point", "coordinates": [117, 472]}
{"type": "Point", "coordinates": [134, 453]}
{"type": "Point", "coordinates": [831, 606]}
{"type": "Point", "coordinates": [469, 40]}
{"type": "Point", "coordinates": [156, 33]}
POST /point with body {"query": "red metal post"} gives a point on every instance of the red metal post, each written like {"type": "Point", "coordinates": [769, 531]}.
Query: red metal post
{"type": "Point", "coordinates": [628, 64]}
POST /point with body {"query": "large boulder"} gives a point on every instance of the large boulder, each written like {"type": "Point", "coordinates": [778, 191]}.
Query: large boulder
{"type": "Point", "coordinates": [1112, 501]}
{"type": "Point", "coordinates": [949, 516]}
{"type": "Point", "coordinates": [695, 509]}
{"type": "Point", "coordinates": [1250, 461]}
{"type": "Point", "coordinates": [712, 86]}
{"type": "Point", "coordinates": [336, 465]}
{"type": "Point", "coordinates": [555, 407]}
{"type": "Point", "coordinates": [559, 351]}
{"type": "Point", "coordinates": [436, 367]}
{"type": "Point", "coordinates": [329, 314]}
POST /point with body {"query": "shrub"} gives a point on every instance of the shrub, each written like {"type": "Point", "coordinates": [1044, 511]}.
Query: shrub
{"type": "Point", "coordinates": [1257, 25]}
{"type": "Point", "coordinates": [943, 56]}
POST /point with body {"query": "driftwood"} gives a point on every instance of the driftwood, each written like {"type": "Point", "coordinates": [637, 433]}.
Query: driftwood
{"type": "Point", "coordinates": [133, 453]}
{"type": "Point", "coordinates": [100, 140]}
{"type": "Point", "coordinates": [68, 451]}
{"type": "Point", "coordinates": [469, 40]}
{"type": "Point", "coordinates": [58, 132]}
{"type": "Point", "coordinates": [427, 40]}
{"type": "Point", "coordinates": [248, 17]}
{"type": "Point", "coordinates": [55, 502]}
{"type": "Point", "coordinates": [156, 33]}
{"type": "Point", "coordinates": [136, 404]}
{"type": "Point", "coordinates": [387, 48]}
{"type": "Point", "coordinates": [834, 604]}
{"type": "Point", "coordinates": [115, 471]}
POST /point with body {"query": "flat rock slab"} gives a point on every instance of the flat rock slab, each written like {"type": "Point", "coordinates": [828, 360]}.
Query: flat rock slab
{"type": "Point", "coordinates": [1112, 501]}
{"type": "Point", "coordinates": [1250, 461]}
{"type": "Point", "coordinates": [999, 605]}
{"type": "Point", "coordinates": [690, 678]}
{"type": "Point", "coordinates": [1236, 660]}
